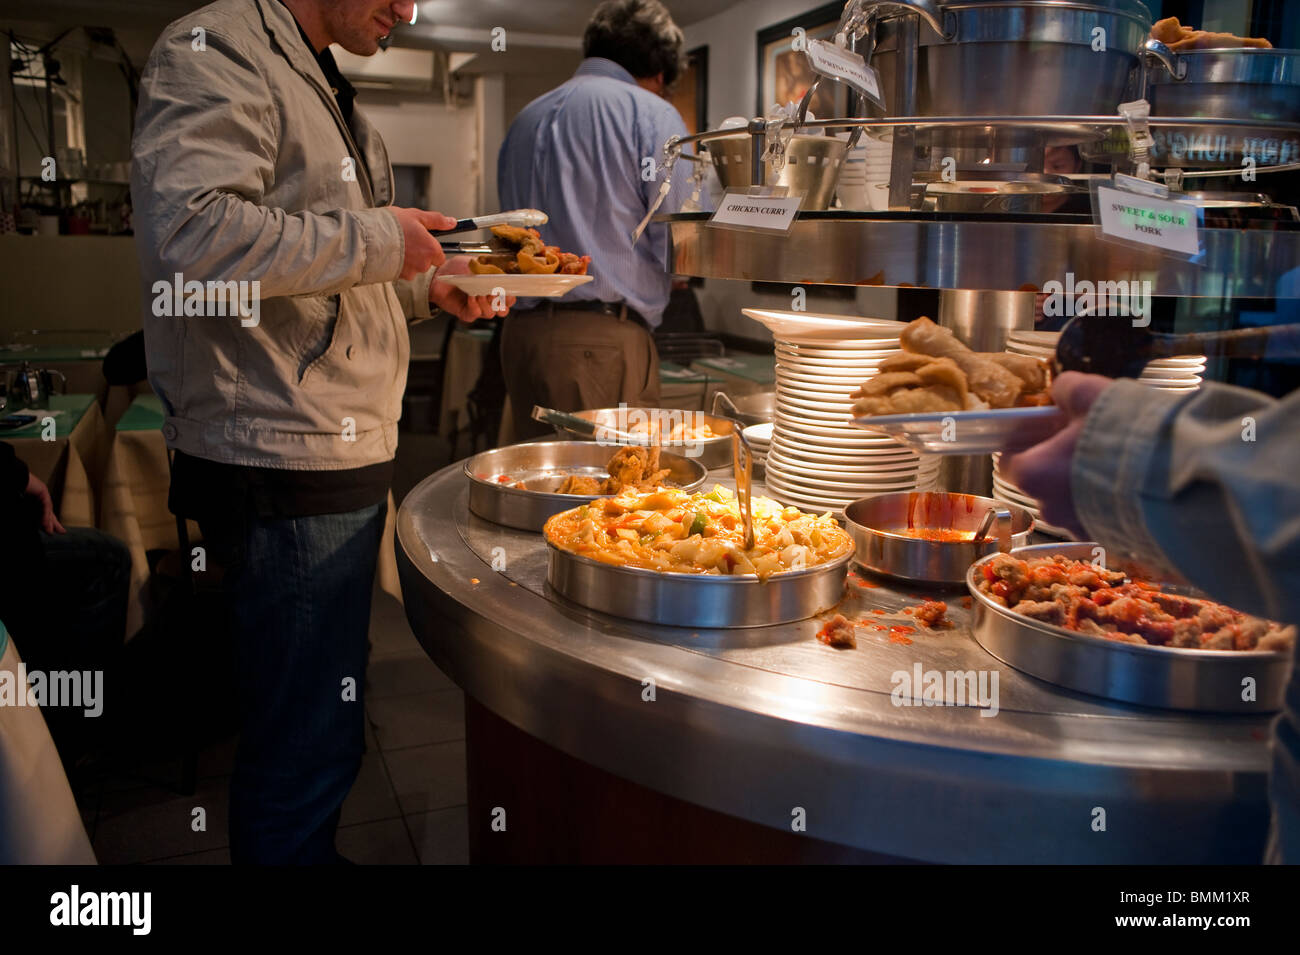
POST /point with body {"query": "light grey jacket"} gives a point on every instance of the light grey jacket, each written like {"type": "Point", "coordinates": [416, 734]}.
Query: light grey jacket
{"type": "Point", "coordinates": [244, 169]}
{"type": "Point", "coordinates": [1207, 485]}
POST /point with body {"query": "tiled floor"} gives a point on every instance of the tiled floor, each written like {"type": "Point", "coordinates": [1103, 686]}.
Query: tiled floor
{"type": "Point", "coordinates": [406, 807]}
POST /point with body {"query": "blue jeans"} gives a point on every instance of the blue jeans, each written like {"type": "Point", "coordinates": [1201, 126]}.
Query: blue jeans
{"type": "Point", "coordinates": [300, 607]}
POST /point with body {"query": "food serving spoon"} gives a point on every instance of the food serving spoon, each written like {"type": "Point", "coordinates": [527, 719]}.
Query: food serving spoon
{"type": "Point", "coordinates": [1114, 347]}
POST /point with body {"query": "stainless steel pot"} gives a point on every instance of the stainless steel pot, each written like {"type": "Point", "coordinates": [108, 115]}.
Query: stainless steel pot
{"type": "Point", "coordinates": [542, 467]}
{"type": "Point", "coordinates": [812, 166]}
{"type": "Point", "coordinates": [1244, 84]}
{"type": "Point", "coordinates": [712, 452]}
{"type": "Point", "coordinates": [1173, 678]}
{"type": "Point", "coordinates": [876, 523]}
{"type": "Point", "coordinates": [1027, 58]}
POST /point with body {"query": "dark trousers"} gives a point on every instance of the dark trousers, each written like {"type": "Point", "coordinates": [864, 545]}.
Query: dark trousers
{"type": "Point", "coordinates": [300, 594]}
{"type": "Point", "coordinates": [573, 360]}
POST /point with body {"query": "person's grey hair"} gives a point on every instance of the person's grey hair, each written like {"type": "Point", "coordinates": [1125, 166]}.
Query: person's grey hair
{"type": "Point", "coordinates": [638, 35]}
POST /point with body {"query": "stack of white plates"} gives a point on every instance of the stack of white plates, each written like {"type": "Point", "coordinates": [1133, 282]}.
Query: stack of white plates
{"type": "Point", "coordinates": [880, 152]}
{"type": "Point", "coordinates": [817, 460]}
{"type": "Point", "coordinates": [1182, 373]}
{"type": "Point", "coordinates": [865, 168]}
{"type": "Point", "coordinates": [851, 187]}
{"type": "Point", "coordinates": [1006, 491]}
{"type": "Point", "coordinates": [759, 437]}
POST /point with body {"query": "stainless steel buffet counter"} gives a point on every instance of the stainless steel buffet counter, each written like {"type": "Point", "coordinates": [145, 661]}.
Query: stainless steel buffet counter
{"type": "Point", "coordinates": [762, 723]}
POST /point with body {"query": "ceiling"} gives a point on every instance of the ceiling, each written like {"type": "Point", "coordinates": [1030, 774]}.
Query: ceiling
{"type": "Point", "coordinates": [450, 24]}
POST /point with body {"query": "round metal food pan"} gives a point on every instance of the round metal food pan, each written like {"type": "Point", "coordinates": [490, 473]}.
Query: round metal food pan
{"type": "Point", "coordinates": [712, 452]}
{"type": "Point", "coordinates": [703, 601]}
{"type": "Point", "coordinates": [1237, 83]}
{"type": "Point", "coordinates": [1170, 678]}
{"type": "Point", "coordinates": [872, 520]}
{"type": "Point", "coordinates": [544, 464]}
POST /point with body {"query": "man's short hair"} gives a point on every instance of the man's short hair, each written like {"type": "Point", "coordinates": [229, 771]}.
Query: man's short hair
{"type": "Point", "coordinates": [638, 35]}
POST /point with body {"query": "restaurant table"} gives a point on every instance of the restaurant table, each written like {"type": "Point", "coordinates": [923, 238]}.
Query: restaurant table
{"type": "Point", "coordinates": [751, 730]}
{"type": "Point", "coordinates": [462, 364]}
{"type": "Point", "coordinates": [681, 387]}
{"type": "Point", "coordinates": [135, 504]}
{"type": "Point", "coordinates": [72, 464]}
{"type": "Point", "coordinates": [737, 374]}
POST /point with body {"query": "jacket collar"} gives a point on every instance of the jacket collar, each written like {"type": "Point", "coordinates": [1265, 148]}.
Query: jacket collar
{"type": "Point", "coordinates": [283, 28]}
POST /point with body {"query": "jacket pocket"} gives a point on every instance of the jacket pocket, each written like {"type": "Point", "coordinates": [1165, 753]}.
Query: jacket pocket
{"type": "Point", "coordinates": [318, 346]}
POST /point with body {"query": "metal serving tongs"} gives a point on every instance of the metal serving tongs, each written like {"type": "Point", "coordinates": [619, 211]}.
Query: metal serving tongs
{"type": "Point", "coordinates": [526, 218]}
{"type": "Point", "coordinates": [601, 432]}
{"type": "Point", "coordinates": [742, 459]}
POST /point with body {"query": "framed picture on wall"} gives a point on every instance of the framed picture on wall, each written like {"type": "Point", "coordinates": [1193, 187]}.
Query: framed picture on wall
{"type": "Point", "coordinates": [690, 95]}
{"type": "Point", "coordinates": [784, 74]}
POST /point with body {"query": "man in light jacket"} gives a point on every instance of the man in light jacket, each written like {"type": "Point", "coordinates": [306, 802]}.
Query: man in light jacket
{"type": "Point", "coordinates": [1203, 484]}
{"type": "Point", "coordinates": [277, 284]}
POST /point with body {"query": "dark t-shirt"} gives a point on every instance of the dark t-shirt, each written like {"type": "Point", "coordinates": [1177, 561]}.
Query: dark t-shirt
{"type": "Point", "coordinates": [208, 490]}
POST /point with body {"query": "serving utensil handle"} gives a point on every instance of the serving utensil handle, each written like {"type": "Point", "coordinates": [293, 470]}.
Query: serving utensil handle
{"type": "Point", "coordinates": [1265, 341]}
{"type": "Point", "coordinates": [742, 459]}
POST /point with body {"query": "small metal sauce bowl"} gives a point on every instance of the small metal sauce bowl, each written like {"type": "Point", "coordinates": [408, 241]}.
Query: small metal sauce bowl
{"type": "Point", "coordinates": [875, 524]}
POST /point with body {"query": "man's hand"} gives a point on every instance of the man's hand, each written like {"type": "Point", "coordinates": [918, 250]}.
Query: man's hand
{"type": "Point", "coordinates": [423, 251]}
{"type": "Point", "coordinates": [1043, 471]}
{"type": "Point", "coordinates": [465, 307]}
{"type": "Point", "coordinates": [37, 489]}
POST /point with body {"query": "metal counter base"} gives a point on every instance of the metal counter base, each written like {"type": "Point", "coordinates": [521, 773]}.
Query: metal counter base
{"type": "Point", "coordinates": [772, 727]}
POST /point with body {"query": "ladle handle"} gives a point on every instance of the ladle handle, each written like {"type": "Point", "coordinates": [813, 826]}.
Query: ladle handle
{"type": "Point", "coordinates": [1266, 341]}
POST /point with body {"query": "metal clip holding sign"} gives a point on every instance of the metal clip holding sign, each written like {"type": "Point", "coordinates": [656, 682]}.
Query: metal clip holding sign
{"type": "Point", "coordinates": [777, 136]}
{"type": "Point", "coordinates": [672, 149]}
{"type": "Point", "coordinates": [1136, 115]}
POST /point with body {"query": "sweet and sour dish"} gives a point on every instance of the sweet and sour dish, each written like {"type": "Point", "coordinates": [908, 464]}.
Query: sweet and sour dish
{"type": "Point", "coordinates": [1091, 600]}
{"type": "Point", "coordinates": [672, 531]}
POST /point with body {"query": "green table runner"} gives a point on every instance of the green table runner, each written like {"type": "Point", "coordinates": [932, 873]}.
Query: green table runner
{"type": "Point", "coordinates": [67, 411]}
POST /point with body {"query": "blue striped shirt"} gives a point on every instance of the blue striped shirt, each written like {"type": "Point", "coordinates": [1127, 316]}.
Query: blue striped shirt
{"type": "Point", "coordinates": [577, 154]}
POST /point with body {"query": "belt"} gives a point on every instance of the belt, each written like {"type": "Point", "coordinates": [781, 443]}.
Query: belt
{"type": "Point", "coordinates": [614, 309]}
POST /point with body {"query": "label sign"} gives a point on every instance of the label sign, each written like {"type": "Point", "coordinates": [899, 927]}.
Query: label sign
{"type": "Point", "coordinates": [843, 64]}
{"type": "Point", "coordinates": [739, 210]}
{"type": "Point", "coordinates": [1172, 226]}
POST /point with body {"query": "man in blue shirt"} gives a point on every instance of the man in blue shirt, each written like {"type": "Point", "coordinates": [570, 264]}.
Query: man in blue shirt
{"type": "Point", "coordinates": [579, 153]}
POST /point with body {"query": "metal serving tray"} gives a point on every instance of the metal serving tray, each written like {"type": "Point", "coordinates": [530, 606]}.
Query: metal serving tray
{"type": "Point", "coordinates": [1170, 678]}
{"type": "Point", "coordinates": [543, 466]}
{"type": "Point", "coordinates": [703, 601]}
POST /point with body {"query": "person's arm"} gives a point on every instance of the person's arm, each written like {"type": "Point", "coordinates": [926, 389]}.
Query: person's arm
{"type": "Point", "coordinates": [1207, 484]}
{"type": "Point", "coordinates": [204, 149]}
{"type": "Point", "coordinates": [16, 479]}
{"type": "Point", "coordinates": [414, 296]}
